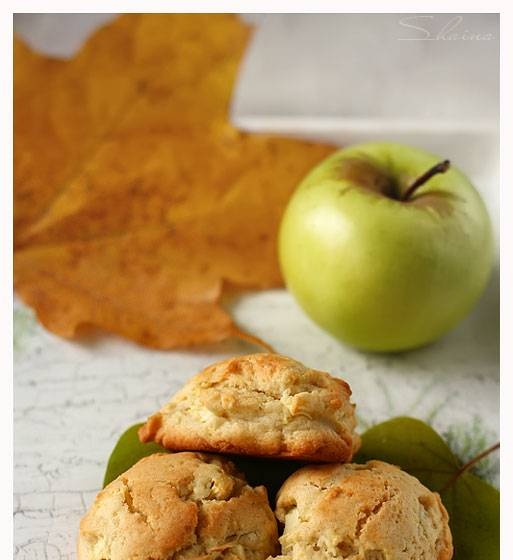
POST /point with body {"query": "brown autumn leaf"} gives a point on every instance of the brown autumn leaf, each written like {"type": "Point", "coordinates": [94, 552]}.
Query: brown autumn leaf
{"type": "Point", "coordinates": [136, 203]}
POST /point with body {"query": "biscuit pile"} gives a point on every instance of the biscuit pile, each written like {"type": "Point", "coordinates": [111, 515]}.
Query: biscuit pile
{"type": "Point", "coordinates": [195, 505]}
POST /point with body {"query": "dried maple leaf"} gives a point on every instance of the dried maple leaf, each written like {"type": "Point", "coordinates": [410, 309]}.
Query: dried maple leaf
{"type": "Point", "coordinates": [136, 202]}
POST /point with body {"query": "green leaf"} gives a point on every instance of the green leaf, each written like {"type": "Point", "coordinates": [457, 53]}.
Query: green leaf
{"type": "Point", "coordinates": [474, 508]}
{"type": "Point", "coordinates": [473, 504]}
{"type": "Point", "coordinates": [127, 451]}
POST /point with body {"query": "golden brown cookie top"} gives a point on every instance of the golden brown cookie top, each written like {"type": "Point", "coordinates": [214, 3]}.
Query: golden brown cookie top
{"type": "Point", "coordinates": [263, 405]}
{"type": "Point", "coordinates": [180, 506]}
{"type": "Point", "coordinates": [374, 511]}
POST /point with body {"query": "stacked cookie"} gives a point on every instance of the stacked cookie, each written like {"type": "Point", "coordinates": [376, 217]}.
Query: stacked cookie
{"type": "Point", "coordinates": [193, 504]}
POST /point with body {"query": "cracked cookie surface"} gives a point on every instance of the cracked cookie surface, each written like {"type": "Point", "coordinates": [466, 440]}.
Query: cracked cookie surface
{"type": "Point", "coordinates": [262, 405]}
{"type": "Point", "coordinates": [179, 506]}
{"type": "Point", "coordinates": [373, 511]}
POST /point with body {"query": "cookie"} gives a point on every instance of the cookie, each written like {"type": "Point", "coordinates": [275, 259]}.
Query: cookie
{"type": "Point", "coordinates": [374, 511]}
{"type": "Point", "coordinates": [179, 506]}
{"type": "Point", "coordinates": [263, 405]}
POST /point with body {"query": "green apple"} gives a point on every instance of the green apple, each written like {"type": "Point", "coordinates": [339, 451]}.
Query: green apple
{"type": "Point", "coordinates": [385, 247]}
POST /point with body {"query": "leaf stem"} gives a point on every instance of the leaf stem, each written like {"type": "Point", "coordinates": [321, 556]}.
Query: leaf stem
{"type": "Point", "coordinates": [441, 167]}
{"type": "Point", "coordinates": [237, 333]}
{"type": "Point", "coordinates": [470, 464]}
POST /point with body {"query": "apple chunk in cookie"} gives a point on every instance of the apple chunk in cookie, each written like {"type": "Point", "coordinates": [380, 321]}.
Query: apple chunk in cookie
{"type": "Point", "coordinates": [179, 506]}
{"type": "Point", "coordinates": [263, 405]}
{"type": "Point", "coordinates": [373, 511]}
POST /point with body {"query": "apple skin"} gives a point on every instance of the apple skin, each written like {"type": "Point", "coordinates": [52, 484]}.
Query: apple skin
{"type": "Point", "coordinates": [376, 272]}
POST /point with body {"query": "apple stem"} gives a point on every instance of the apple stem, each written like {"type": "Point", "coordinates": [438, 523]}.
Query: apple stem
{"type": "Point", "coordinates": [471, 463]}
{"type": "Point", "coordinates": [441, 167]}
